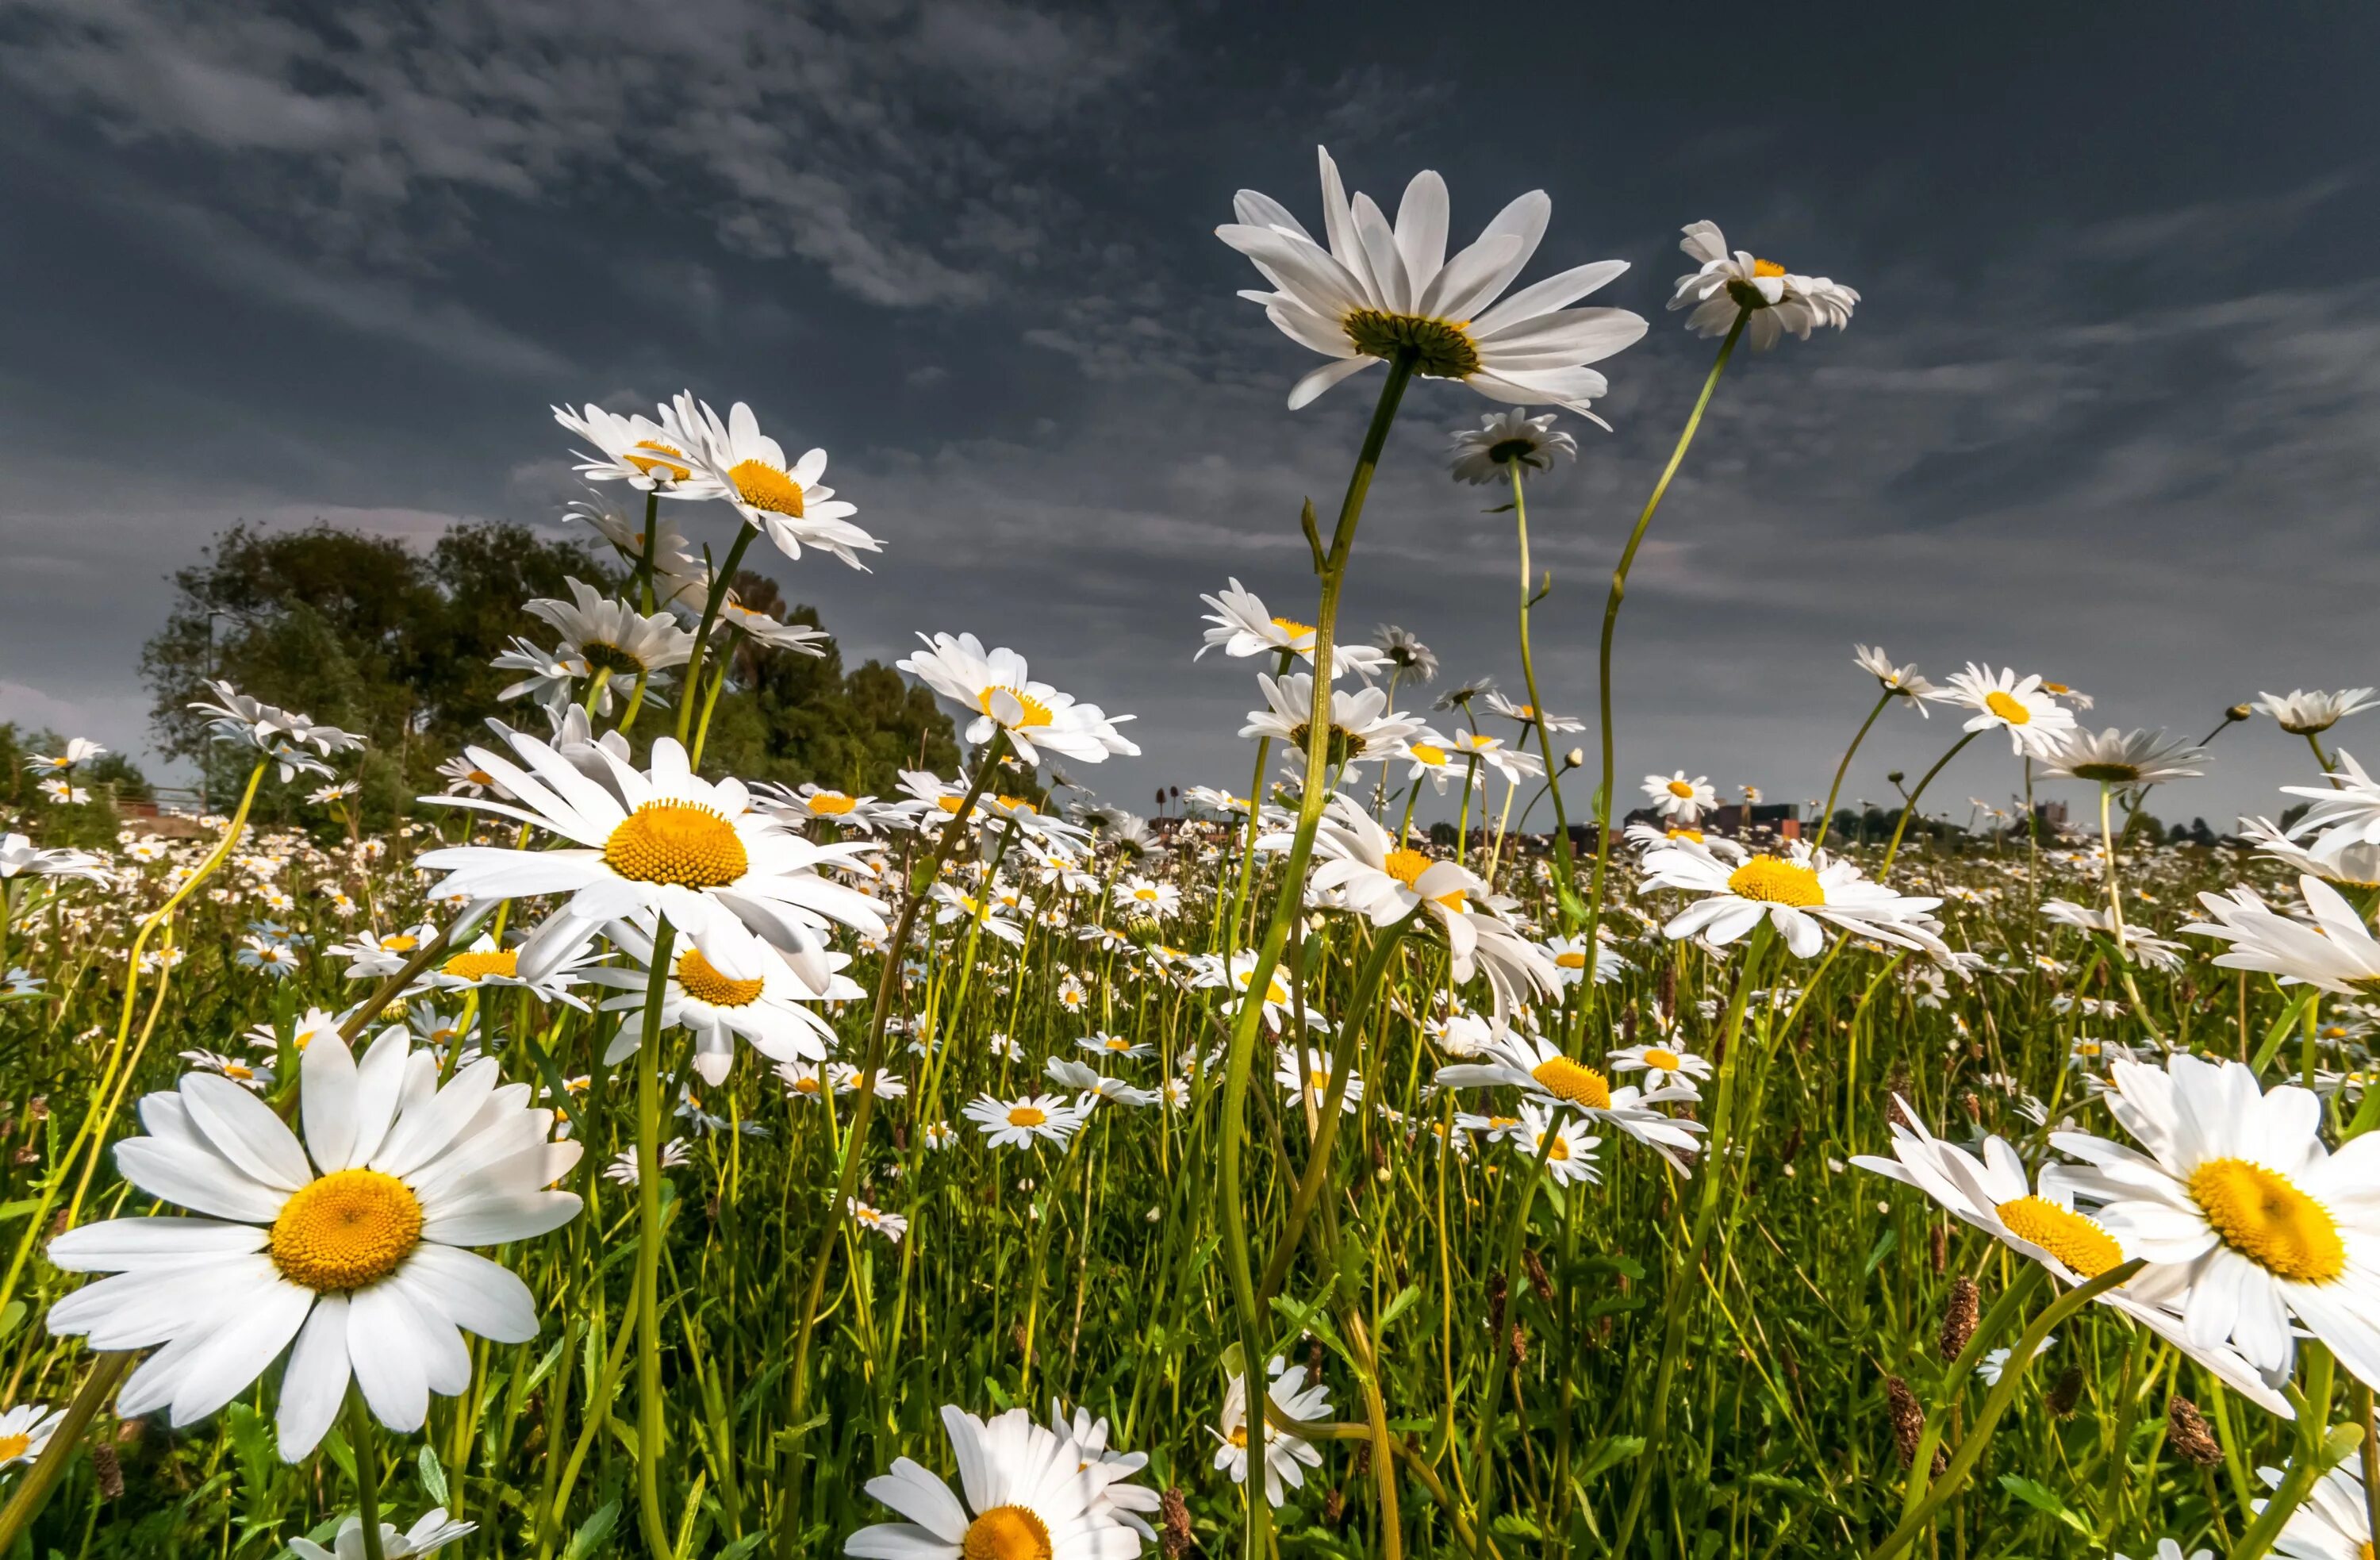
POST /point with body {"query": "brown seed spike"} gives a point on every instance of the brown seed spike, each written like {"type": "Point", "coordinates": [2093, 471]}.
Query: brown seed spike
{"type": "Point", "coordinates": [1908, 1419]}
{"type": "Point", "coordinates": [1174, 1525]}
{"type": "Point", "coordinates": [2065, 1394]}
{"type": "Point", "coordinates": [1959, 1317]}
{"type": "Point", "coordinates": [2187, 1431]}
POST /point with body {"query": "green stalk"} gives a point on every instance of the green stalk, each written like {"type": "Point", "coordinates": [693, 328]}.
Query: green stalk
{"type": "Point", "coordinates": [649, 1252]}
{"type": "Point", "coordinates": [361, 1439]}
{"type": "Point", "coordinates": [1826, 818]}
{"type": "Point", "coordinates": [64, 1442]}
{"type": "Point", "coordinates": [1611, 624]}
{"type": "Point", "coordinates": [1908, 807]}
{"type": "Point", "coordinates": [1566, 890]}
{"type": "Point", "coordinates": [718, 586]}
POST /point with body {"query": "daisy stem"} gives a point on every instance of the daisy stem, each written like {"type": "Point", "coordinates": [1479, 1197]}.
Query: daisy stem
{"type": "Point", "coordinates": [649, 1252]}
{"type": "Point", "coordinates": [64, 1442]}
{"type": "Point", "coordinates": [359, 1436]}
{"type": "Point", "coordinates": [2019, 1360]}
{"type": "Point", "coordinates": [1988, 1333]}
{"type": "Point", "coordinates": [1256, 811]}
{"type": "Point", "coordinates": [1567, 891]}
{"type": "Point", "coordinates": [1827, 817]}
{"type": "Point", "coordinates": [1256, 1531]}
{"type": "Point", "coordinates": [1499, 1342]}
{"type": "Point", "coordinates": [2370, 1450]}
{"type": "Point", "coordinates": [2307, 1462]}
{"type": "Point", "coordinates": [2320, 758]}
{"type": "Point", "coordinates": [1908, 807]}
{"type": "Point", "coordinates": [718, 586]}
{"type": "Point", "coordinates": [2116, 909]}
{"type": "Point", "coordinates": [1611, 623]}
{"type": "Point", "coordinates": [645, 562]}
{"type": "Point", "coordinates": [887, 985]}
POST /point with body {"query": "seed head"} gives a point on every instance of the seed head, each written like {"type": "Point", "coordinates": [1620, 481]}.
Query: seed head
{"type": "Point", "coordinates": [2187, 1431]}
{"type": "Point", "coordinates": [1959, 1317]}
{"type": "Point", "coordinates": [2066, 1392]}
{"type": "Point", "coordinates": [1173, 1524]}
{"type": "Point", "coordinates": [1908, 1417]}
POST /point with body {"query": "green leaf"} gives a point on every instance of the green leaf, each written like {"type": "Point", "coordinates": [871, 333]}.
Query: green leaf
{"type": "Point", "coordinates": [1882, 1248]}
{"type": "Point", "coordinates": [433, 1477]}
{"type": "Point", "coordinates": [1618, 1449]}
{"type": "Point", "coordinates": [2043, 1499]}
{"type": "Point", "coordinates": [593, 1532]}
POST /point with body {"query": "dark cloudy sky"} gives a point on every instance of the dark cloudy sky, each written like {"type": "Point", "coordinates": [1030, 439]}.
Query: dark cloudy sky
{"type": "Point", "coordinates": [2110, 409]}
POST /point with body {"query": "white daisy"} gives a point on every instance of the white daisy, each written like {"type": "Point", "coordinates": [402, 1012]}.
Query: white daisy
{"type": "Point", "coordinates": [348, 1243]}
{"type": "Point", "coordinates": [280, 734]}
{"type": "Point", "coordinates": [2036, 724]}
{"type": "Point", "coordinates": [2346, 812]}
{"type": "Point", "coordinates": [1797, 891]}
{"type": "Point", "coordinates": [1772, 300]}
{"type": "Point", "coordinates": [1287, 1454]}
{"type": "Point", "coordinates": [1569, 1153]}
{"type": "Point", "coordinates": [635, 450]}
{"type": "Point", "coordinates": [994, 685]}
{"type": "Point", "coordinates": [1280, 1003]}
{"type": "Point", "coordinates": [1902, 680]}
{"type": "Point", "coordinates": [1528, 716]}
{"type": "Point", "coordinates": [1031, 1494]}
{"type": "Point", "coordinates": [623, 1168]}
{"type": "Point", "coordinates": [2306, 714]}
{"type": "Point", "coordinates": [20, 856]}
{"type": "Point", "coordinates": [1125, 1502]}
{"type": "Point", "coordinates": [433, 1532]}
{"type": "Point", "coordinates": [611, 636]}
{"type": "Point", "coordinates": [2335, 1523]}
{"type": "Point", "coordinates": [1406, 653]}
{"type": "Point", "coordinates": [2335, 953]}
{"type": "Point", "coordinates": [1240, 627]}
{"type": "Point", "coordinates": [891, 1226]}
{"type": "Point", "coordinates": [2117, 758]}
{"type": "Point", "coordinates": [25, 1432]}
{"type": "Point", "coordinates": [79, 751]}
{"type": "Point", "coordinates": [1016, 1123]}
{"type": "Point", "coordinates": [1569, 958]}
{"type": "Point", "coordinates": [743, 987]}
{"type": "Point", "coordinates": [1663, 1067]}
{"type": "Point", "coordinates": [1676, 797]}
{"type": "Point", "coordinates": [1362, 729]}
{"type": "Point", "coordinates": [1508, 439]}
{"type": "Point", "coordinates": [1377, 290]}
{"type": "Point", "coordinates": [1538, 1069]}
{"type": "Point", "coordinates": [1314, 1078]}
{"type": "Point", "coordinates": [783, 500]}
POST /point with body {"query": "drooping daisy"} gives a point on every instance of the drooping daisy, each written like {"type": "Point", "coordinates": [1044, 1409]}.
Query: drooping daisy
{"type": "Point", "coordinates": [349, 1243]}
{"type": "Point", "coordinates": [1240, 626]}
{"type": "Point", "coordinates": [2245, 1217]}
{"type": "Point", "coordinates": [611, 636]}
{"type": "Point", "coordinates": [2036, 724]}
{"type": "Point", "coordinates": [994, 685]}
{"type": "Point", "coordinates": [2337, 952]}
{"type": "Point", "coordinates": [280, 734]}
{"type": "Point", "coordinates": [783, 500]}
{"type": "Point", "coordinates": [748, 989]}
{"type": "Point", "coordinates": [1406, 653]}
{"type": "Point", "coordinates": [1771, 299]}
{"type": "Point", "coordinates": [1379, 289]}
{"type": "Point", "coordinates": [1287, 1454]}
{"type": "Point", "coordinates": [1663, 1067]}
{"type": "Point", "coordinates": [1508, 439]}
{"type": "Point", "coordinates": [2307, 714]}
{"type": "Point", "coordinates": [799, 638]}
{"type": "Point", "coordinates": [663, 842]}
{"type": "Point", "coordinates": [25, 1432]}
{"type": "Point", "coordinates": [2117, 758]}
{"type": "Point", "coordinates": [1902, 680]}
{"type": "Point", "coordinates": [1030, 1494]}
{"type": "Point", "coordinates": [1538, 1069]}
{"type": "Point", "coordinates": [1676, 797]}
{"type": "Point", "coordinates": [1799, 891]}
{"type": "Point", "coordinates": [635, 450]}
{"type": "Point", "coordinates": [1014, 1124]}
{"type": "Point", "coordinates": [433, 1532]}
{"type": "Point", "coordinates": [1529, 714]}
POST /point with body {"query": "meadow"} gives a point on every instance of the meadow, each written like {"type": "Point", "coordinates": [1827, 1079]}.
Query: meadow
{"type": "Point", "coordinates": [603, 1155]}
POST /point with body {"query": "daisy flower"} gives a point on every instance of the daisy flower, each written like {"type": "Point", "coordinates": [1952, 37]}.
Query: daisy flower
{"type": "Point", "coordinates": [891, 1226]}
{"type": "Point", "coordinates": [2335, 1523]}
{"type": "Point", "coordinates": [2307, 714]}
{"type": "Point", "coordinates": [25, 1432]}
{"type": "Point", "coordinates": [1377, 290]}
{"type": "Point", "coordinates": [1528, 716]}
{"type": "Point", "coordinates": [2335, 953]}
{"type": "Point", "coordinates": [1569, 954]}
{"type": "Point", "coordinates": [1240, 627]}
{"type": "Point", "coordinates": [749, 991]}
{"type": "Point", "coordinates": [635, 450]}
{"type": "Point", "coordinates": [435, 1530]}
{"type": "Point", "coordinates": [1662, 1066]}
{"type": "Point", "coordinates": [1771, 299]}
{"type": "Point", "coordinates": [1036, 716]}
{"type": "Point", "coordinates": [255, 1079]}
{"type": "Point", "coordinates": [821, 804]}
{"type": "Point", "coordinates": [1280, 1003]}
{"type": "Point", "coordinates": [611, 636]}
{"type": "Point", "coordinates": [550, 682]}
{"type": "Point", "coordinates": [280, 734]}
{"type": "Point", "coordinates": [1115, 1045]}
{"type": "Point", "coordinates": [2345, 811]}
{"type": "Point", "coordinates": [1514, 764]}
{"type": "Point", "coordinates": [1538, 1069]}
{"type": "Point", "coordinates": [2036, 724]}
{"type": "Point", "coordinates": [623, 1167]}
{"type": "Point", "coordinates": [1313, 1078]}
{"type": "Point", "coordinates": [63, 793]}
{"type": "Point", "coordinates": [1016, 1123]}
{"type": "Point", "coordinates": [1902, 680]}
{"type": "Point", "coordinates": [79, 751]}
{"type": "Point", "coordinates": [663, 841]}
{"type": "Point", "coordinates": [1425, 751]}
{"type": "Point", "coordinates": [1569, 1153]}
{"type": "Point", "coordinates": [1995, 1362]}
{"type": "Point", "coordinates": [1800, 893]}
{"type": "Point", "coordinates": [783, 500]}
{"type": "Point", "coordinates": [1030, 1494]}
{"type": "Point", "coordinates": [1287, 1454]}
{"type": "Point", "coordinates": [349, 1243]}
{"type": "Point", "coordinates": [1125, 1502]}
{"type": "Point", "coordinates": [1148, 899]}
{"type": "Point", "coordinates": [1676, 797]}
{"type": "Point", "coordinates": [805, 1080]}
{"type": "Point", "coordinates": [1508, 439]}
{"type": "Point", "coordinates": [20, 856]}
{"type": "Point", "coordinates": [2246, 1218]}
{"type": "Point", "coordinates": [2117, 758]}
{"type": "Point", "coordinates": [546, 972]}
{"type": "Point", "coordinates": [1405, 651]}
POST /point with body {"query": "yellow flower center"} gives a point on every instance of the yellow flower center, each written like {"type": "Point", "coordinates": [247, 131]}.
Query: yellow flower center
{"type": "Point", "coordinates": [1441, 349]}
{"type": "Point", "coordinates": [232, 1069]}
{"type": "Point", "coordinates": [1118, 1043]}
{"type": "Point", "coordinates": [1406, 866]}
{"type": "Point", "coordinates": [834, 804]}
{"type": "Point", "coordinates": [399, 942]}
{"type": "Point", "coordinates": [2262, 1216]}
{"type": "Point", "coordinates": [1774, 881]}
{"type": "Point", "coordinates": [677, 842]}
{"type": "Point", "coordinates": [948, 804]}
{"type": "Point", "coordinates": [1146, 893]}
{"type": "Point", "coordinates": [1694, 834]}
{"type": "Point", "coordinates": [1036, 711]}
{"type": "Point", "coordinates": [1276, 993]}
{"type": "Point", "coordinates": [669, 469]}
{"type": "Point", "coordinates": [1574, 960]}
{"type": "Point", "coordinates": [1559, 1148]}
{"type": "Point", "coordinates": [1027, 1116]}
{"type": "Point", "coordinates": [481, 777]}
{"type": "Point", "coordinates": [1682, 791]}
{"type": "Point", "coordinates": [1428, 752]}
{"type": "Point", "coordinates": [764, 487]}
{"type": "Point", "coordinates": [14, 1447]}
{"type": "Point", "coordinates": [1007, 1532]}
{"type": "Point", "coordinates": [481, 963]}
{"type": "Point", "coordinates": [806, 1085]}
{"type": "Point", "coordinates": [700, 980]}
{"type": "Point", "coordinates": [1766, 268]}
{"type": "Point", "coordinates": [1566, 1080]}
{"type": "Point", "coordinates": [2078, 1242]}
{"type": "Point", "coordinates": [348, 1230]}
{"type": "Point", "coordinates": [1666, 1061]}
{"type": "Point", "coordinates": [1292, 627]}
{"type": "Point", "coordinates": [2056, 688]}
{"type": "Point", "coordinates": [2007, 708]}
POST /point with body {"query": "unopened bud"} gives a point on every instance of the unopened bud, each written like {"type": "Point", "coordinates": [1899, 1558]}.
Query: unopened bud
{"type": "Point", "coordinates": [107, 1470]}
{"type": "Point", "coordinates": [1575, 759]}
{"type": "Point", "coordinates": [1959, 1317]}
{"type": "Point", "coordinates": [2238, 713]}
{"type": "Point", "coordinates": [1908, 1418]}
{"type": "Point", "coordinates": [2186, 1431]}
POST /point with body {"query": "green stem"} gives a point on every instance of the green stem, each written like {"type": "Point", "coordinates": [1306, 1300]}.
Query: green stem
{"type": "Point", "coordinates": [367, 1451]}
{"type": "Point", "coordinates": [1908, 807]}
{"type": "Point", "coordinates": [64, 1442]}
{"type": "Point", "coordinates": [1611, 624]}
{"type": "Point", "coordinates": [2306, 1464]}
{"type": "Point", "coordinates": [719, 587]}
{"type": "Point", "coordinates": [1566, 893]}
{"type": "Point", "coordinates": [649, 1252]}
{"type": "Point", "coordinates": [1826, 818]}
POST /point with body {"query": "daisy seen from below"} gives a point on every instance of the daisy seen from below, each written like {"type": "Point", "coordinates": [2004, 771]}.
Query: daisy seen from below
{"type": "Point", "coordinates": [25, 1432]}
{"type": "Point", "coordinates": [1240, 626]}
{"type": "Point", "coordinates": [1506, 439]}
{"type": "Point", "coordinates": [2308, 715]}
{"type": "Point", "coordinates": [1800, 893]}
{"type": "Point", "coordinates": [635, 450]}
{"type": "Point", "coordinates": [1406, 653]}
{"type": "Point", "coordinates": [611, 636]}
{"type": "Point", "coordinates": [433, 1532]}
{"type": "Point", "coordinates": [2246, 1218]}
{"type": "Point", "coordinates": [1770, 299]}
{"type": "Point", "coordinates": [2119, 758]}
{"type": "Point", "coordinates": [1901, 680]}
{"type": "Point", "coordinates": [1287, 1454]}
{"type": "Point", "coordinates": [280, 734]}
{"type": "Point", "coordinates": [994, 685]}
{"type": "Point", "coordinates": [780, 499]}
{"type": "Point", "coordinates": [742, 987]}
{"type": "Point", "coordinates": [2036, 723]}
{"type": "Point", "coordinates": [1362, 727]}
{"type": "Point", "coordinates": [660, 841]}
{"type": "Point", "coordinates": [1675, 797]}
{"type": "Point", "coordinates": [1029, 1494]}
{"type": "Point", "coordinates": [1016, 1124]}
{"type": "Point", "coordinates": [349, 1243]}
{"type": "Point", "coordinates": [1372, 291]}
